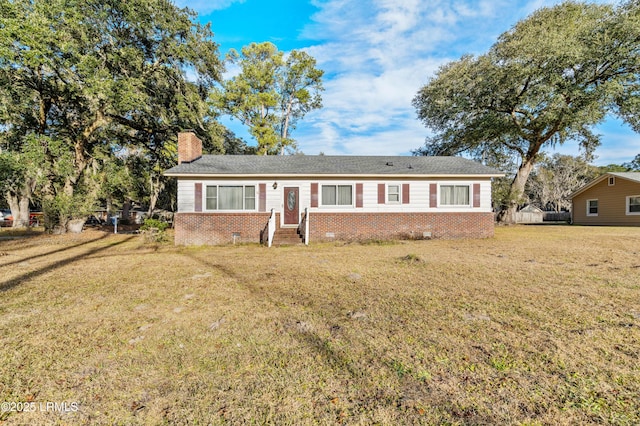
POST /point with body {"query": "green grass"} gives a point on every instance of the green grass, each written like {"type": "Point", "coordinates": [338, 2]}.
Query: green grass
{"type": "Point", "coordinates": [539, 325]}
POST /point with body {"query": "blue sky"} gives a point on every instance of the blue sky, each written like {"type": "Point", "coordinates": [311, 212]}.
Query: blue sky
{"type": "Point", "coordinates": [376, 54]}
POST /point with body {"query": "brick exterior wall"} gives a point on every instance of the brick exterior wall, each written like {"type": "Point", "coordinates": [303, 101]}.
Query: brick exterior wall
{"type": "Point", "coordinates": [218, 228]}
{"type": "Point", "coordinates": [358, 226]}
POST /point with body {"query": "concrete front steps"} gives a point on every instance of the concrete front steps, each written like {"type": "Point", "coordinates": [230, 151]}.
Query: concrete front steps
{"type": "Point", "coordinates": [287, 236]}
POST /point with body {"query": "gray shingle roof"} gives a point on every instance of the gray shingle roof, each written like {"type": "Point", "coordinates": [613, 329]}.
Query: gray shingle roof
{"type": "Point", "coordinates": [311, 165]}
{"type": "Point", "coordinates": [634, 176]}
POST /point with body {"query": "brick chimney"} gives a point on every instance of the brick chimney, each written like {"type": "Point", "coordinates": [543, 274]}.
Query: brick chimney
{"type": "Point", "coordinates": [189, 147]}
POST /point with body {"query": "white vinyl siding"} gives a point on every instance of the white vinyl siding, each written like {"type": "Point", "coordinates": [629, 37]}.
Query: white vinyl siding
{"type": "Point", "coordinates": [186, 195]}
{"type": "Point", "coordinates": [274, 198]}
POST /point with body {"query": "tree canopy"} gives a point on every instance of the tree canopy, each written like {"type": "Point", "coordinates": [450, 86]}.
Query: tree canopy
{"type": "Point", "coordinates": [555, 178]}
{"type": "Point", "coordinates": [549, 79]}
{"type": "Point", "coordinates": [79, 79]}
{"type": "Point", "coordinates": [271, 93]}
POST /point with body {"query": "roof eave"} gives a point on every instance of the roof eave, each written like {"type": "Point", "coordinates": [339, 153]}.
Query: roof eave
{"type": "Point", "coordinates": [333, 175]}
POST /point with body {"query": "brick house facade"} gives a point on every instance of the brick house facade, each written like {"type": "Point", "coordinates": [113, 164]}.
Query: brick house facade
{"type": "Point", "coordinates": [222, 199]}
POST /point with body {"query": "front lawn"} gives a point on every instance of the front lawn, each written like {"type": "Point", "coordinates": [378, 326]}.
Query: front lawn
{"type": "Point", "coordinates": [539, 325]}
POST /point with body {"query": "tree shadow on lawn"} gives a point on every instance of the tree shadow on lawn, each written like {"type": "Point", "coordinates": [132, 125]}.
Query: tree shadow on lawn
{"type": "Point", "coordinates": [339, 346]}
{"type": "Point", "coordinates": [25, 259]}
{"type": "Point", "coordinates": [366, 393]}
{"type": "Point", "coordinates": [9, 284]}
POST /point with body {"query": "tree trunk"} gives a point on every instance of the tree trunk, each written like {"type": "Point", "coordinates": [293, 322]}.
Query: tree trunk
{"type": "Point", "coordinates": [157, 185]}
{"type": "Point", "coordinates": [126, 208]}
{"type": "Point", "coordinates": [24, 212]}
{"type": "Point", "coordinates": [516, 191]}
{"type": "Point", "coordinates": [14, 206]}
{"type": "Point", "coordinates": [109, 207]}
{"type": "Point", "coordinates": [19, 204]}
{"type": "Point", "coordinates": [285, 127]}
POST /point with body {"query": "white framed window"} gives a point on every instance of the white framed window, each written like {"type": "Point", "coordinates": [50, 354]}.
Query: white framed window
{"type": "Point", "coordinates": [454, 195]}
{"type": "Point", "coordinates": [393, 194]}
{"type": "Point", "coordinates": [612, 180]}
{"type": "Point", "coordinates": [249, 197]}
{"type": "Point", "coordinates": [211, 200]}
{"type": "Point", "coordinates": [592, 207]}
{"type": "Point", "coordinates": [230, 197]}
{"type": "Point", "coordinates": [633, 204]}
{"type": "Point", "coordinates": [337, 195]}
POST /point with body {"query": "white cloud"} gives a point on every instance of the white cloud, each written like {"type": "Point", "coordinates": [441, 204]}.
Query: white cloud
{"type": "Point", "coordinates": [377, 54]}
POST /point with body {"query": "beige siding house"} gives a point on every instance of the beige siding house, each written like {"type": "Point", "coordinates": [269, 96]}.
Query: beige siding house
{"type": "Point", "coordinates": [611, 199]}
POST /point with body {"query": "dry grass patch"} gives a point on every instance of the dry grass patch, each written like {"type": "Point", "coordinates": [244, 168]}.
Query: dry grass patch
{"type": "Point", "coordinates": [539, 325]}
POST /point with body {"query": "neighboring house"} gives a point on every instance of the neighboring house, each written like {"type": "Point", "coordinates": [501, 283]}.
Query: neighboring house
{"type": "Point", "coordinates": [611, 199]}
{"type": "Point", "coordinates": [227, 198]}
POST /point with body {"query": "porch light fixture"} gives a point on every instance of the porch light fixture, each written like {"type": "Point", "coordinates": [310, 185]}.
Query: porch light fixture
{"type": "Point", "coordinates": [275, 185]}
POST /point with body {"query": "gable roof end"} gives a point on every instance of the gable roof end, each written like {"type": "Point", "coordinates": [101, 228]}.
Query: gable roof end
{"type": "Point", "coordinates": [631, 176]}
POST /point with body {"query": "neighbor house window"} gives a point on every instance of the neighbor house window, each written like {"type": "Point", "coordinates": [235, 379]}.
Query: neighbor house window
{"type": "Point", "coordinates": [227, 197]}
{"type": "Point", "coordinates": [633, 204]}
{"type": "Point", "coordinates": [337, 195]}
{"type": "Point", "coordinates": [393, 194]}
{"type": "Point", "coordinates": [454, 195]}
{"type": "Point", "coordinates": [592, 207]}
{"type": "Point", "coordinates": [612, 181]}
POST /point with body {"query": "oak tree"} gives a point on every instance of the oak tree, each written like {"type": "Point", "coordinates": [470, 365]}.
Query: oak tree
{"type": "Point", "coordinates": [550, 79]}
{"type": "Point", "coordinates": [87, 75]}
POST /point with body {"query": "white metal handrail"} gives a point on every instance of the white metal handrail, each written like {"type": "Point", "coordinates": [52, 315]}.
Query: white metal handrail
{"type": "Point", "coordinates": [306, 226]}
{"type": "Point", "coordinates": [271, 228]}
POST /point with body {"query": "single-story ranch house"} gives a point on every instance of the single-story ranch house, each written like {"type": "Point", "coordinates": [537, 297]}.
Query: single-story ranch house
{"type": "Point", "coordinates": [302, 198]}
{"type": "Point", "coordinates": [611, 199]}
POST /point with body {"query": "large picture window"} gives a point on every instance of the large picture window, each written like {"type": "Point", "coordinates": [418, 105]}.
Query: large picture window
{"type": "Point", "coordinates": [633, 204]}
{"type": "Point", "coordinates": [454, 195]}
{"type": "Point", "coordinates": [228, 197]}
{"type": "Point", "coordinates": [337, 195]}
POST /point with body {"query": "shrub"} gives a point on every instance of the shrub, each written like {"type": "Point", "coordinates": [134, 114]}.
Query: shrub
{"type": "Point", "coordinates": [62, 208]}
{"type": "Point", "coordinates": [154, 230]}
{"type": "Point", "coordinates": [150, 224]}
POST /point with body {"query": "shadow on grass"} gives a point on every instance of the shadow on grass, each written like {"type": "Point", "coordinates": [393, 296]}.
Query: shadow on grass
{"type": "Point", "coordinates": [18, 235]}
{"type": "Point", "coordinates": [333, 356]}
{"type": "Point", "coordinates": [9, 284]}
{"type": "Point", "coordinates": [25, 259]}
